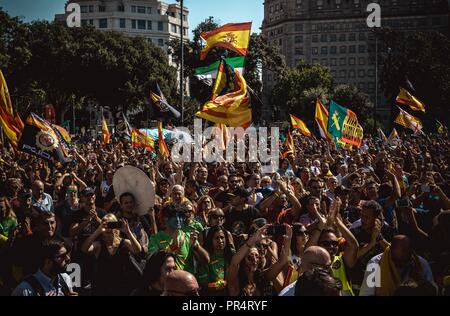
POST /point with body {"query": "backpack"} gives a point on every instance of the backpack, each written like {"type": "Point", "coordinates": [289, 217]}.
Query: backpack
{"type": "Point", "coordinates": [39, 290]}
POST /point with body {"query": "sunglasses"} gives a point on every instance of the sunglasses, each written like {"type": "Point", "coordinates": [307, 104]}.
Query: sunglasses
{"type": "Point", "coordinates": [329, 243]}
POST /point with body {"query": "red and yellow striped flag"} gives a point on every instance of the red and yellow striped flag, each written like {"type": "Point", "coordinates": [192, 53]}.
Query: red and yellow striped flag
{"type": "Point", "coordinates": [163, 149]}
{"type": "Point", "coordinates": [322, 120]}
{"type": "Point", "coordinates": [230, 100]}
{"type": "Point", "coordinates": [140, 140]}
{"type": "Point", "coordinates": [407, 98]}
{"type": "Point", "coordinates": [289, 147]}
{"type": "Point", "coordinates": [300, 125]}
{"type": "Point", "coordinates": [9, 120]}
{"type": "Point", "coordinates": [105, 132]}
{"type": "Point", "coordinates": [232, 36]}
{"type": "Point", "coordinates": [407, 120]}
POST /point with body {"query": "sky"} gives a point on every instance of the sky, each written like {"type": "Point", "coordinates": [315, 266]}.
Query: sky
{"type": "Point", "coordinates": [224, 11]}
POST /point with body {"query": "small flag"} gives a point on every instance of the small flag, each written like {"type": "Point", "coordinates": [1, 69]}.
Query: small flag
{"type": "Point", "coordinates": [235, 37]}
{"type": "Point", "coordinates": [140, 140]}
{"type": "Point", "coordinates": [407, 120]}
{"type": "Point", "coordinates": [406, 98]}
{"type": "Point", "coordinates": [298, 124]}
{"type": "Point", "coordinates": [382, 136]}
{"type": "Point", "coordinates": [105, 132]}
{"type": "Point", "coordinates": [209, 73]}
{"type": "Point", "coordinates": [160, 102]}
{"type": "Point", "coordinates": [163, 149]}
{"type": "Point", "coordinates": [393, 139]}
{"type": "Point", "coordinates": [440, 127]}
{"type": "Point", "coordinates": [289, 147]}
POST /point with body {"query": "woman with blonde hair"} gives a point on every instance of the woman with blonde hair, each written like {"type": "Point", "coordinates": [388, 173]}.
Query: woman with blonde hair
{"type": "Point", "coordinates": [112, 252]}
{"type": "Point", "coordinates": [204, 205]}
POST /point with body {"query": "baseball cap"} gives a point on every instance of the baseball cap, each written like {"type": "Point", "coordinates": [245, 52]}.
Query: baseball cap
{"type": "Point", "coordinates": [87, 192]}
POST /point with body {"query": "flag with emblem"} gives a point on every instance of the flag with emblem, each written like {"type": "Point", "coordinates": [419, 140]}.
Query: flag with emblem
{"type": "Point", "coordinates": [343, 125]}
{"type": "Point", "coordinates": [300, 125]}
{"type": "Point", "coordinates": [141, 140]}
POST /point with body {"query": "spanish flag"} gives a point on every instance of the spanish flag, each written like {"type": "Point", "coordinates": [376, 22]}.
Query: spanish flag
{"type": "Point", "coordinates": [232, 36]}
{"type": "Point", "coordinates": [322, 120]}
{"type": "Point", "coordinates": [140, 140]}
{"type": "Point", "coordinates": [105, 132]}
{"type": "Point", "coordinates": [230, 102]}
{"type": "Point", "coordinates": [10, 121]}
{"type": "Point", "coordinates": [289, 147]}
{"type": "Point", "coordinates": [407, 98]}
{"type": "Point", "coordinates": [298, 124]}
{"type": "Point", "coordinates": [163, 149]}
{"type": "Point", "coordinates": [407, 120]}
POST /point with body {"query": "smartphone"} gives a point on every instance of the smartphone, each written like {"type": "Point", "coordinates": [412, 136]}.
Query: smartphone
{"type": "Point", "coordinates": [425, 188]}
{"type": "Point", "coordinates": [402, 203]}
{"type": "Point", "coordinates": [276, 230]}
{"type": "Point", "coordinates": [114, 225]}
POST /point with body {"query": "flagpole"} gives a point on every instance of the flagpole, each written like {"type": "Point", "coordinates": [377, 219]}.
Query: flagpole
{"type": "Point", "coordinates": [182, 62]}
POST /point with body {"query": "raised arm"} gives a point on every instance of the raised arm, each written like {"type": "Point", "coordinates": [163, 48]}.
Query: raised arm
{"type": "Point", "coordinates": [275, 269]}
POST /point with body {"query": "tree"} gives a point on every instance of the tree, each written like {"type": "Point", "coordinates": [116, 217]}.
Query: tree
{"type": "Point", "coordinates": [423, 58]}
{"type": "Point", "coordinates": [297, 91]}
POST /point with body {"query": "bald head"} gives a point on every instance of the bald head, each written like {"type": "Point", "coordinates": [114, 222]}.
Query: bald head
{"type": "Point", "coordinates": [181, 283]}
{"type": "Point", "coordinates": [38, 189]}
{"type": "Point", "coordinates": [313, 257]}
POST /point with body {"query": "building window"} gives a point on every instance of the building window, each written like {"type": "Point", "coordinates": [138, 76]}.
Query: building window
{"type": "Point", "coordinates": [362, 61]}
{"type": "Point", "coordinates": [149, 25]}
{"type": "Point", "coordinates": [160, 26]}
{"type": "Point", "coordinates": [352, 37]}
{"type": "Point", "coordinates": [101, 8]}
{"type": "Point", "coordinates": [84, 9]}
{"type": "Point", "coordinates": [362, 36]}
{"type": "Point", "coordinates": [351, 74]}
{"type": "Point", "coordinates": [333, 73]}
{"type": "Point", "coordinates": [141, 9]}
{"type": "Point", "coordinates": [142, 24]}
{"type": "Point", "coordinates": [133, 9]}
{"type": "Point", "coordinates": [133, 24]}
{"type": "Point", "coordinates": [298, 27]}
{"type": "Point", "coordinates": [84, 22]}
{"type": "Point", "coordinates": [361, 73]}
{"type": "Point", "coordinates": [333, 38]}
{"type": "Point", "coordinates": [333, 61]}
{"type": "Point", "coordinates": [343, 49]}
{"type": "Point", "coordinates": [333, 50]}
{"type": "Point", "coordinates": [362, 49]}
{"type": "Point", "coordinates": [352, 49]}
{"type": "Point", "coordinates": [161, 42]}
{"type": "Point", "coordinates": [315, 38]}
{"type": "Point", "coordinates": [324, 38]}
{"type": "Point", "coordinates": [342, 38]}
{"type": "Point", "coordinates": [103, 23]}
{"type": "Point", "coordinates": [149, 10]}
{"type": "Point", "coordinates": [371, 73]}
{"type": "Point", "coordinates": [342, 74]}
{"type": "Point", "coordinates": [184, 17]}
{"type": "Point", "coordinates": [324, 62]}
{"type": "Point", "coordinates": [280, 42]}
{"type": "Point", "coordinates": [91, 22]}
{"type": "Point", "coordinates": [121, 8]}
{"type": "Point", "coordinates": [352, 61]}
{"type": "Point", "coordinates": [342, 61]}
{"type": "Point", "coordinates": [91, 9]}
{"type": "Point", "coordinates": [299, 39]}
{"type": "Point", "coordinates": [315, 61]}
{"type": "Point", "coordinates": [324, 50]}
{"type": "Point", "coordinates": [185, 32]}
{"type": "Point", "coordinates": [122, 23]}
{"type": "Point", "coordinates": [173, 28]}
{"type": "Point", "coordinates": [299, 51]}
{"type": "Point", "coordinates": [371, 60]}
{"type": "Point", "coordinates": [315, 50]}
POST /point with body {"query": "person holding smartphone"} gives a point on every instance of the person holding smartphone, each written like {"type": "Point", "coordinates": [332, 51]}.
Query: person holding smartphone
{"type": "Point", "coordinates": [112, 256]}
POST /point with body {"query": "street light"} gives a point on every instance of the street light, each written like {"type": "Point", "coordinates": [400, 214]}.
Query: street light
{"type": "Point", "coordinates": [182, 62]}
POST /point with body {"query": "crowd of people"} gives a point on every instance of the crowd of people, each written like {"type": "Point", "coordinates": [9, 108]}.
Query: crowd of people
{"type": "Point", "coordinates": [369, 221]}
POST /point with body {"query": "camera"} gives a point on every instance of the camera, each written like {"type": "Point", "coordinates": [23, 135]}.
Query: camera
{"type": "Point", "coordinates": [114, 225]}
{"type": "Point", "coordinates": [402, 203]}
{"type": "Point", "coordinates": [276, 230]}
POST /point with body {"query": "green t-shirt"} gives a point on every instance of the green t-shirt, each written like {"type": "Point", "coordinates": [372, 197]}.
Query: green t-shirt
{"type": "Point", "coordinates": [192, 226]}
{"type": "Point", "coordinates": [213, 271]}
{"type": "Point", "coordinates": [7, 225]}
{"type": "Point", "coordinates": [162, 241]}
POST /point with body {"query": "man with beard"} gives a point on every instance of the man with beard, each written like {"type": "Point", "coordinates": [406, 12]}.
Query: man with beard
{"type": "Point", "coordinates": [50, 278]}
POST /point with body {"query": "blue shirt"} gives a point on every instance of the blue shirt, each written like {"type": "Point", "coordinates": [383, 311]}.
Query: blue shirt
{"type": "Point", "coordinates": [51, 288]}
{"type": "Point", "coordinates": [46, 205]}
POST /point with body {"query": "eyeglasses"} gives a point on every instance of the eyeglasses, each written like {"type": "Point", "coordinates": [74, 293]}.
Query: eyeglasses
{"type": "Point", "coordinates": [329, 243]}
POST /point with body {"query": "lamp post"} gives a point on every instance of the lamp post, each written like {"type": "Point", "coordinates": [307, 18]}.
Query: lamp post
{"type": "Point", "coordinates": [182, 62]}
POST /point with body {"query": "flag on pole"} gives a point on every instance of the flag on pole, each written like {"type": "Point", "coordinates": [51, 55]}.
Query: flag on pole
{"type": "Point", "coordinates": [382, 136]}
{"type": "Point", "coordinates": [300, 125]}
{"type": "Point", "coordinates": [230, 100]}
{"type": "Point", "coordinates": [343, 125]}
{"type": "Point", "coordinates": [163, 107]}
{"type": "Point", "coordinates": [209, 73]}
{"type": "Point", "coordinates": [10, 121]}
{"type": "Point", "coordinates": [105, 132]}
{"type": "Point", "coordinates": [440, 127]}
{"type": "Point", "coordinates": [232, 36]}
{"type": "Point", "coordinates": [406, 98]}
{"type": "Point", "coordinates": [322, 120]}
{"type": "Point", "coordinates": [163, 149]}
{"type": "Point", "coordinates": [289, 147]}
{"type": "Point", "coordinates": [407, 120]}
{"type": "Point", "coordinates": [140, 140]}
{"type": "Point", "coordinates": [393, 139]}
